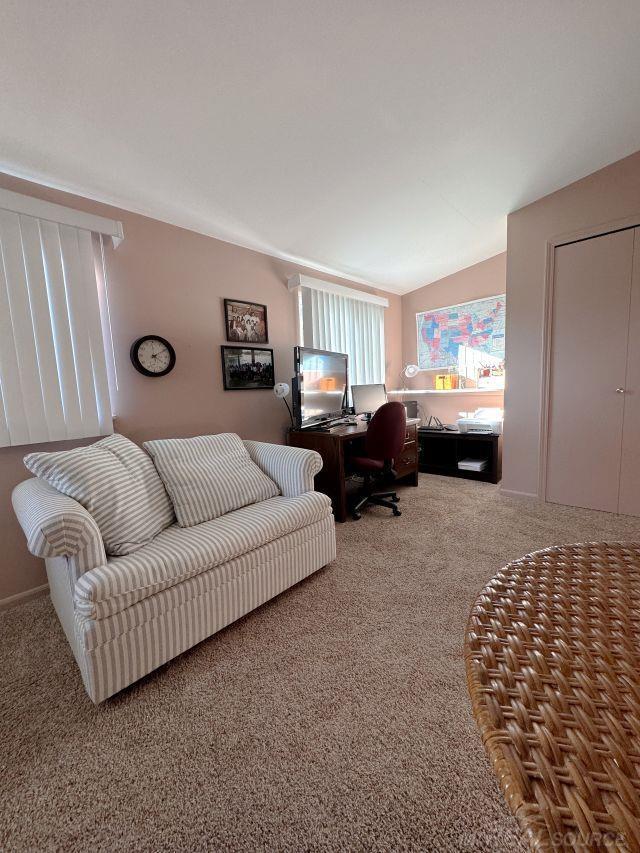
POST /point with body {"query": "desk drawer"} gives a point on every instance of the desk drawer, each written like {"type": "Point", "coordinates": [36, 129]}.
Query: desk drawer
{"type": "Point", "coordinates": [408, 457]}
{"type": "Point", "coordinates": [407, 461]}
{"type": "Point", "coordinates": [411, 433]}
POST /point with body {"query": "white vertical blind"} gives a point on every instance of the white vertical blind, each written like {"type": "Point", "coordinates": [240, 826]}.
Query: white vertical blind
{"type": "Point", "coordinates": [53, 374]}
{"type": "Point", "coordinates": [341, 324]}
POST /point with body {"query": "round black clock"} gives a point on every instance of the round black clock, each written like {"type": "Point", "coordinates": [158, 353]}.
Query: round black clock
{"type": "Point", "coordinates": [153, 355]}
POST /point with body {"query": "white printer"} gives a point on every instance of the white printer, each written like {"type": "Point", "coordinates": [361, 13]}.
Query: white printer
{"type": "Point", "coordinates": [482, 420]}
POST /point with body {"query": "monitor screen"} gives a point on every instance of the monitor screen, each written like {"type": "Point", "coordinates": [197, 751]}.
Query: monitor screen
{"type": "Point", "coordinates": [368, 398]}
{"type": "Point", "coordinates": [322, 378]}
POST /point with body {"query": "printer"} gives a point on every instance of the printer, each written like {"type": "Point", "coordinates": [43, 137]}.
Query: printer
{"type": "Point", "coordinates": [486, 421]}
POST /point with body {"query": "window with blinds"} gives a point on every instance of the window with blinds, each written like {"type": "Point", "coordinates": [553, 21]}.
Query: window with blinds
{"type": "Point", "coordinates": [336, 318]}
{"type": "Point", "coordinates": [53, 371]}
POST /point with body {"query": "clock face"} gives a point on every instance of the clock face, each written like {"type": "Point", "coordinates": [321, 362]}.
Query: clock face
{"type": "Point", "coordinates": [153, 355]}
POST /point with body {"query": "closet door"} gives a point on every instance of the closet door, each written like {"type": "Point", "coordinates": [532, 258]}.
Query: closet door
{"type": "Point", "coordinates": [630, 462]}
{"type": "Point", "coordinates": [591, 293]}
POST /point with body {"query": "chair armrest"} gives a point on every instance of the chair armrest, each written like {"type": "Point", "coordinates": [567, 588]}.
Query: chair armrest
{"type": "Point", "coordinates": [292, 468]}
{"type": "Point", "coordinates": [57, 526]}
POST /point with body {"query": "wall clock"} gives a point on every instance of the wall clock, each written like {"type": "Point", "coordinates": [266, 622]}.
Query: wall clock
{"type": "Point", "coordinates": [153, 355]}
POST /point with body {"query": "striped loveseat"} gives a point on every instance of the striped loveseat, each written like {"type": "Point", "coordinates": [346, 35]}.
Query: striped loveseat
{"type": "Point", "coordinates": [126, 615]}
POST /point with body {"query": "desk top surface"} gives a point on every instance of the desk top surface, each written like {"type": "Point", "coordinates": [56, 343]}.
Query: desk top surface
{"type": "Point", "coordinates": [351, 431]}
{"type": "Point", "coordinates": [455, 433]}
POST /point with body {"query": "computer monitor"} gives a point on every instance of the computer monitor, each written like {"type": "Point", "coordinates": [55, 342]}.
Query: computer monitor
{"type": "Point", "coordinates": [320, 386]}
{"type": "Point", "coordinates": [368, 398]}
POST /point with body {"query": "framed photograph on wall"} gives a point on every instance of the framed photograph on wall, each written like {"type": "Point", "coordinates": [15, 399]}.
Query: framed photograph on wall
{"type": "Point", "coordinates": [247, 368]}
{"type": "Point", "coordinates": [245, 322]}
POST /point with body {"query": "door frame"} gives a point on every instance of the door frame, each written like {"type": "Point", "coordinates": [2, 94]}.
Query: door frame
{"type": "Point", "coordinates": [547, 325]}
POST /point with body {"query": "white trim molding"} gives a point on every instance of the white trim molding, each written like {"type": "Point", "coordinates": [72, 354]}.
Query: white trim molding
{"type": "Point", "coordinates": [299, 280]}
{"type": "Point", "coordinates": [23, 597]}
{"type": "Point", "coordinates": [513, 493]}
{"type": "Point", "coordinates": [61, 215]}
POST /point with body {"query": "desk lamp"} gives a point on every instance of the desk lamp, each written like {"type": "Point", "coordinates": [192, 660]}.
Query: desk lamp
{"type": "Point", "coordinates": [408, 372]}
{"type": "Point", "coordinates": [281, 390]}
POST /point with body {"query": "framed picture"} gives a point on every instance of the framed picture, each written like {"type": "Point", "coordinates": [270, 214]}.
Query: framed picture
{"type": "Point", "coordinates": [245, 322]}
{"type": "Point", "coordinates": [247, 368]}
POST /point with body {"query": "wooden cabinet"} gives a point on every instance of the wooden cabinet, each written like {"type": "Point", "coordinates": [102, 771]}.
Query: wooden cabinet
{"type": "Point", "coordinates": [440, 452]}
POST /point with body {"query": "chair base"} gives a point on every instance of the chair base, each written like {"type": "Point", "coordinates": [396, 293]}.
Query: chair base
{"type": "Point", "coordinates": [387, 499]}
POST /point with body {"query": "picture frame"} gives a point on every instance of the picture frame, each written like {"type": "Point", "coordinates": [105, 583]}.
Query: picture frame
{"type": "Point", "coordinates": [247, 368]}
{"type": "Point", "coordinates": [245, 322]}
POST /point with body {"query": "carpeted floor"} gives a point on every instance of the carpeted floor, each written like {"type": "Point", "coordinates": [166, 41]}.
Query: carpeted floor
{"type": "Point", "coordinates": [335, 717]}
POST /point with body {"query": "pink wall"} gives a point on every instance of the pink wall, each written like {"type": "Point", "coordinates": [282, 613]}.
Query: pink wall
{"type": "Point", "coordinates": [488, 278]}
{"type": "Point", "coordinates": [607, 195]}
{"type": "Point", "coordinates": [171, 281]}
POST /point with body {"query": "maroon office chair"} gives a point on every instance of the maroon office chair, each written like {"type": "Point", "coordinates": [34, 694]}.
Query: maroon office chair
{"type": "Point", "coordinates": [383, 443]}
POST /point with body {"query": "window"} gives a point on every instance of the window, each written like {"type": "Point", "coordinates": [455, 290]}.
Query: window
{"type": "Point", "coordinates": [53, 372]}
{"type": "Point", "coordinates": [341, 319]}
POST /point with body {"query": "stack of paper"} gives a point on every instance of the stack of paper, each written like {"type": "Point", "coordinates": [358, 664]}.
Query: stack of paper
{"type": "Point", "coordinates": [472, 464]}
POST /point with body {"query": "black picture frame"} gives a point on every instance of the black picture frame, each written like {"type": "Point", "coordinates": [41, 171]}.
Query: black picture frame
{"type": "Point", "coordinates": [252, 327]}
{"type": "Point", "coordinates": [258, 375]}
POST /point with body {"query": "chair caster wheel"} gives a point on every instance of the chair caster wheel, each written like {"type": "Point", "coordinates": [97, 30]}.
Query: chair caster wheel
{"type": "Point", "coordinates": [395, 498]}
{"type": "Point", "coordinates": [356, 516]}
{"type": "Point", "coordinates": [396, 511]}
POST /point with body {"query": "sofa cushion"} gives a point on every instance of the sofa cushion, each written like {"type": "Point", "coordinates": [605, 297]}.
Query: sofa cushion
{"type": "Point", "coordinates": [237, 585]}
{"type": "Point", "coordinates": [209, 476]}
{"type": "Point", "coordinates": [117, 483]}
{"type": "Point", "coordinates": [180, 553]}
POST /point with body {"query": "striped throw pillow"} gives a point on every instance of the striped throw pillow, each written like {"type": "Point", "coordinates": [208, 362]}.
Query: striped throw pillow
{"type": "Point", "coordinates": [209, 476]}
{"type": "Point", "coordinates": [116, 481]}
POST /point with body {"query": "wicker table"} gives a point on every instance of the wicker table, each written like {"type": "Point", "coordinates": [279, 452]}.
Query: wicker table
{"type": "Point", "coordinates": [552, 654]}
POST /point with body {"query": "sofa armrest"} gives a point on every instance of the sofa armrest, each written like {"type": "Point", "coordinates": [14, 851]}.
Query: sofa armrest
{"type": "Point", "coordinates": [292, 468]}
{"type": "Point", "coordinates": [57, 526]}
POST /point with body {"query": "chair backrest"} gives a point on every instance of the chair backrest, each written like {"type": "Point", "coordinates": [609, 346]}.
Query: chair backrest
{"type": "Point", "coordinates": [386, 433]}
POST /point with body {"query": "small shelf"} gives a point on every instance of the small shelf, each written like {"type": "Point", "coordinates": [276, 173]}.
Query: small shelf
{"type": "Point", "coordinates": [410, 391]}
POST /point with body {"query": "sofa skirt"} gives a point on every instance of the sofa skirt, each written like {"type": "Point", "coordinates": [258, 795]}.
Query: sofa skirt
{"type": "Point", "coordinates": [114, 652]}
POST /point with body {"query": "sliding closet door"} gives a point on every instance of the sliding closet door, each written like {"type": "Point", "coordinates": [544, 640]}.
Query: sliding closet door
{"type": "Point", "coordinates": [591, 294]}
{"type": "Point", "coordinates": [630, 463]}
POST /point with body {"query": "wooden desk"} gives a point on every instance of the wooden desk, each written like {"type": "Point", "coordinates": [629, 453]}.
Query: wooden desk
{"type": "Point", "coordinates": [337, 446]}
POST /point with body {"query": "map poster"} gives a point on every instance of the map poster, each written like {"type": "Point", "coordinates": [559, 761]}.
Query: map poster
{"type": "Point", "coordinates": [474, 327]}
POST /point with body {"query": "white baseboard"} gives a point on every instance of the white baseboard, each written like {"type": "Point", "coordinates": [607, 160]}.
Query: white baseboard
{"type": "Point", "coordinates": [22, 597]}
{"type": "Point", "coordinates": [512, 493]}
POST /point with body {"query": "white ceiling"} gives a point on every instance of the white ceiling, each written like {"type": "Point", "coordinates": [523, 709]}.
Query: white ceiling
{"type": "Point", "coordinates": [382, 140]}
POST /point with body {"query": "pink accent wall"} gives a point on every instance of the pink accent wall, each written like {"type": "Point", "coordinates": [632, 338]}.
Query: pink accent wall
{"type": "Point", "coordinates": [610, 194]}
{"type": "Point", "coordinates": [487, 278]}
{"type": "Point", "coordinates": [170, 281]}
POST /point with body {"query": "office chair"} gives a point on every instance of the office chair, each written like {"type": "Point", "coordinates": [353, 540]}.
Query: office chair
{"type": "Point", "coordinates": [383, 443]}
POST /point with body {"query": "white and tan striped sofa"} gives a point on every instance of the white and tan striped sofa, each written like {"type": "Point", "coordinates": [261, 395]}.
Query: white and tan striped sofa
{"type": "Point", "coordinates": [124, 616]}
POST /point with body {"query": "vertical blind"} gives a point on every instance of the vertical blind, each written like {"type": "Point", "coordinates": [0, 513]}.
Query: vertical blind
{"type": "Point", "coordinates": [53, 373]}
{"type": "Point", "coordinates": [338, 323]}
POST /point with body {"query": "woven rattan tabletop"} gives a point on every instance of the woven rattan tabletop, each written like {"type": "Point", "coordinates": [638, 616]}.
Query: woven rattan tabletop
{"type": "Point", "coordinates": [552, 654]}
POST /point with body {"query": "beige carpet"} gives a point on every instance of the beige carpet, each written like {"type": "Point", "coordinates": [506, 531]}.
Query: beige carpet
{"type": "Point", "coordinates": [335, 717]}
